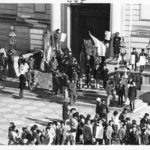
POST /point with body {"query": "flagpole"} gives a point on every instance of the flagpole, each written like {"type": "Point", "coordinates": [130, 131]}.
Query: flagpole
{"type": "Point", "coordinates": [130, 29]}
{"type": "Point", "coordinates": [69, 27]}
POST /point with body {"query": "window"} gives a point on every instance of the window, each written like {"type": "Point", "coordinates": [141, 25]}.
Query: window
{"type": "Point", "coordinates": [40, 8]}
{"type": "Point", "coordinates": [144, 12]}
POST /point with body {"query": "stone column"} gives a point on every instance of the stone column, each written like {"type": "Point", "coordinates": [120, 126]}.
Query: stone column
{"type": "Point", "coordinates": [115, 21]}
{"type": "Point", "coordinates": [69, 27]}
{"type": "Point", "coordinates": [115, 17]}
{"type": "Point", "coordinates": [55, 16]}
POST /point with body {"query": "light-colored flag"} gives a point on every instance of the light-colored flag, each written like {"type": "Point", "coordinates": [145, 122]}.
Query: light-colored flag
{"type": "Point", "coordinates": [16, 67]}
{"type": "Point", "coordinates": [47, 47]}
{"type": "Point", "coordinates": [47, 54]}
{"type": "Point", "coordinates": [101, 48]}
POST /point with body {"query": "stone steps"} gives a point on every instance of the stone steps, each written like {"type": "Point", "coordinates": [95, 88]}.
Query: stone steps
{"type": "Point", "coordinates": [29, 95]}
{"type": "Point", "coordinates": [85, 96]}
{"type": "Point", "coordinates": [92, 95]}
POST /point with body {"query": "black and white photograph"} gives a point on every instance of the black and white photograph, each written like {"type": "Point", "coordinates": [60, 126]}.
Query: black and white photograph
{"type": "Point", "coordinates": [75, 73]}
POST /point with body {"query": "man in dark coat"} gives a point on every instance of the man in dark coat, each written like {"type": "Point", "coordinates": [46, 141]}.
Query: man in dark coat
{"type": "Point", "coordinates": [64, 84]}
{"type": "Point", "coordinates": [3, 65]}
{"type": "Point", "coordinates": [132, 94]}
{"type": "Point", "coordinates": [144, 120]}
{"type": "Point", "coordinates": [120, 92]}
{"type": "Point", "coordinates": [56, 83]}
{"type": "Point", "coordinates": [105, 76]}
{"type": "Point", "coordinates": [88, 133]}
{"type": "Point", "coordinates": [116, 45]}
{"type": "Point", "coordinates": [88, 74]}
{"type": "Point", "coordinates": [65, 111]}
{"type": "Point", "coordinates": [92, 62]}
{"type": "Point", "coordinates": [133, 137]}
{"type": "Point", "coordinates": [99, 107]}
{"type": "Point", "coordinates": [72, 92]}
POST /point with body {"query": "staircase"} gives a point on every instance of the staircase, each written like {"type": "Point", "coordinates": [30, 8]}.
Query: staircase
{"type": "Point", "coordinates": [86, 97]}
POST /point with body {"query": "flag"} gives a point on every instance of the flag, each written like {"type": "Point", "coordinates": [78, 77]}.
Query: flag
{"type": "Point", "coordinates": [47, 54]}
{"type": "Point", "coordinates": [16, 67]}
{"type": "Point", "coordinates": [47, 47]}
{"type": "Point", "coordinates": [101, 48]}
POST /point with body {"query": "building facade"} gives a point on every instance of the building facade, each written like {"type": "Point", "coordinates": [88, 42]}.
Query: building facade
{"type": "Point", "coordinates": [29, 21]}
{"type": "Point", "coordinates": [130, 20]}
{"type": "Point", "coordinates": [75, 19]}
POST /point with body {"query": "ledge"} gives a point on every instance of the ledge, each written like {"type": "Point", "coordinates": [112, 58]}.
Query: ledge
{"type": "Point", "coordinates": [146, 73]}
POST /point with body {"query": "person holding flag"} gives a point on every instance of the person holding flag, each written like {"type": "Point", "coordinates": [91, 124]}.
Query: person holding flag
{"type": "Point", "coordinates": [101, 48]}
{"type": "Point", "coordinates": [47, 49]}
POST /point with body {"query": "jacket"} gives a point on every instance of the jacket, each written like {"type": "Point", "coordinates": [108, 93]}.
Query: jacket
{"type": "Point", "coordinates": [109, 132]}
{"type": "Point", "coordinates": [122, 134]}
{"type": "Point", "coordinates": [87, 133]}
{"type": "Point", "coordinates": [132, 93]}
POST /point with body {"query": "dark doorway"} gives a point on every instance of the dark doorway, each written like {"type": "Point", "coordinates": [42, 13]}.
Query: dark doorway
{"type": "Point", "coordinates": [85, 17]}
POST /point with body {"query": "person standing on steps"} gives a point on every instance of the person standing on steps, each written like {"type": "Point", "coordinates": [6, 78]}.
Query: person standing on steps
{"type": "Point", "coordinates": [132, 94]}
{"type": "Point", "coordinates": [116, 45]}
{"type": "Point", "coordinates": [134, 59]}
{"type": "Point", "coordinates": [23, 69]}
{"type": "Point", "coordinates": [105, 76]}
{"type": "Point", "coordinates": [72, 92]}
{"type": "Point", "coordinates": [65, 84]}
{"type": "Point", "coordinates": [142, 60]}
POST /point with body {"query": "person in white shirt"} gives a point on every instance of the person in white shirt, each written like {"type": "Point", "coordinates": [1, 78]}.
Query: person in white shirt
{"type": "Point", "coordinates": [23, 69]}
{"type": "Point", "coordinates": [107, 41]}
{"type": "Point", "coordinates": [13, 136]}
{"type": "Point", "coordinates": [107, 36]}
{"type": "Point", "coordinates": [98, 132]}
{"type": "Point", "coordinates": [116, 124]}
{"type": "Point", "coordinates": [51, 133]}
{"type": "Point", "coordinates": [2, 50]}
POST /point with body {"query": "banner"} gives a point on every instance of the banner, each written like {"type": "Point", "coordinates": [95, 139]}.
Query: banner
{"type": "Point", "coordinates": [101, 48]}
{"type": "Point", "coordinates": [47, 46]}
{"type": "Point", "coordinates": [63, 37]}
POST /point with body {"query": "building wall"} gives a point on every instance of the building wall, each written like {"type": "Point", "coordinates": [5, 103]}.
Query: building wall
{"type": "Point", "coordinates": [28, 10]}
{"type": "Point", "coordinates": [138, 28]}
{"type": "Point", "coordinates": [64, 23]}
{"type": "Point", "coordinates": [29, 25]}
{"type": "Point", "coordinates": [8, 9]}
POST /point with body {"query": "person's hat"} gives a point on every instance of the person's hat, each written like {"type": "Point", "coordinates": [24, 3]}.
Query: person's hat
{"type": "Point", "coordinates": [98, 99]}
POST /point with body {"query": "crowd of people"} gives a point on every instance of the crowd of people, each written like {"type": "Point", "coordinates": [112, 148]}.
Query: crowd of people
{"type": "Point", "coordinates": [77, 129]}
{"type": "Point", "coordinates": [67, 76]}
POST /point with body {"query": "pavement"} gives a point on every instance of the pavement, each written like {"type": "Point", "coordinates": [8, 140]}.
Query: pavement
{"type": "Point", "coordinates": [38, 107]}
{"type": "Point", "coordinates": [32, 109]}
